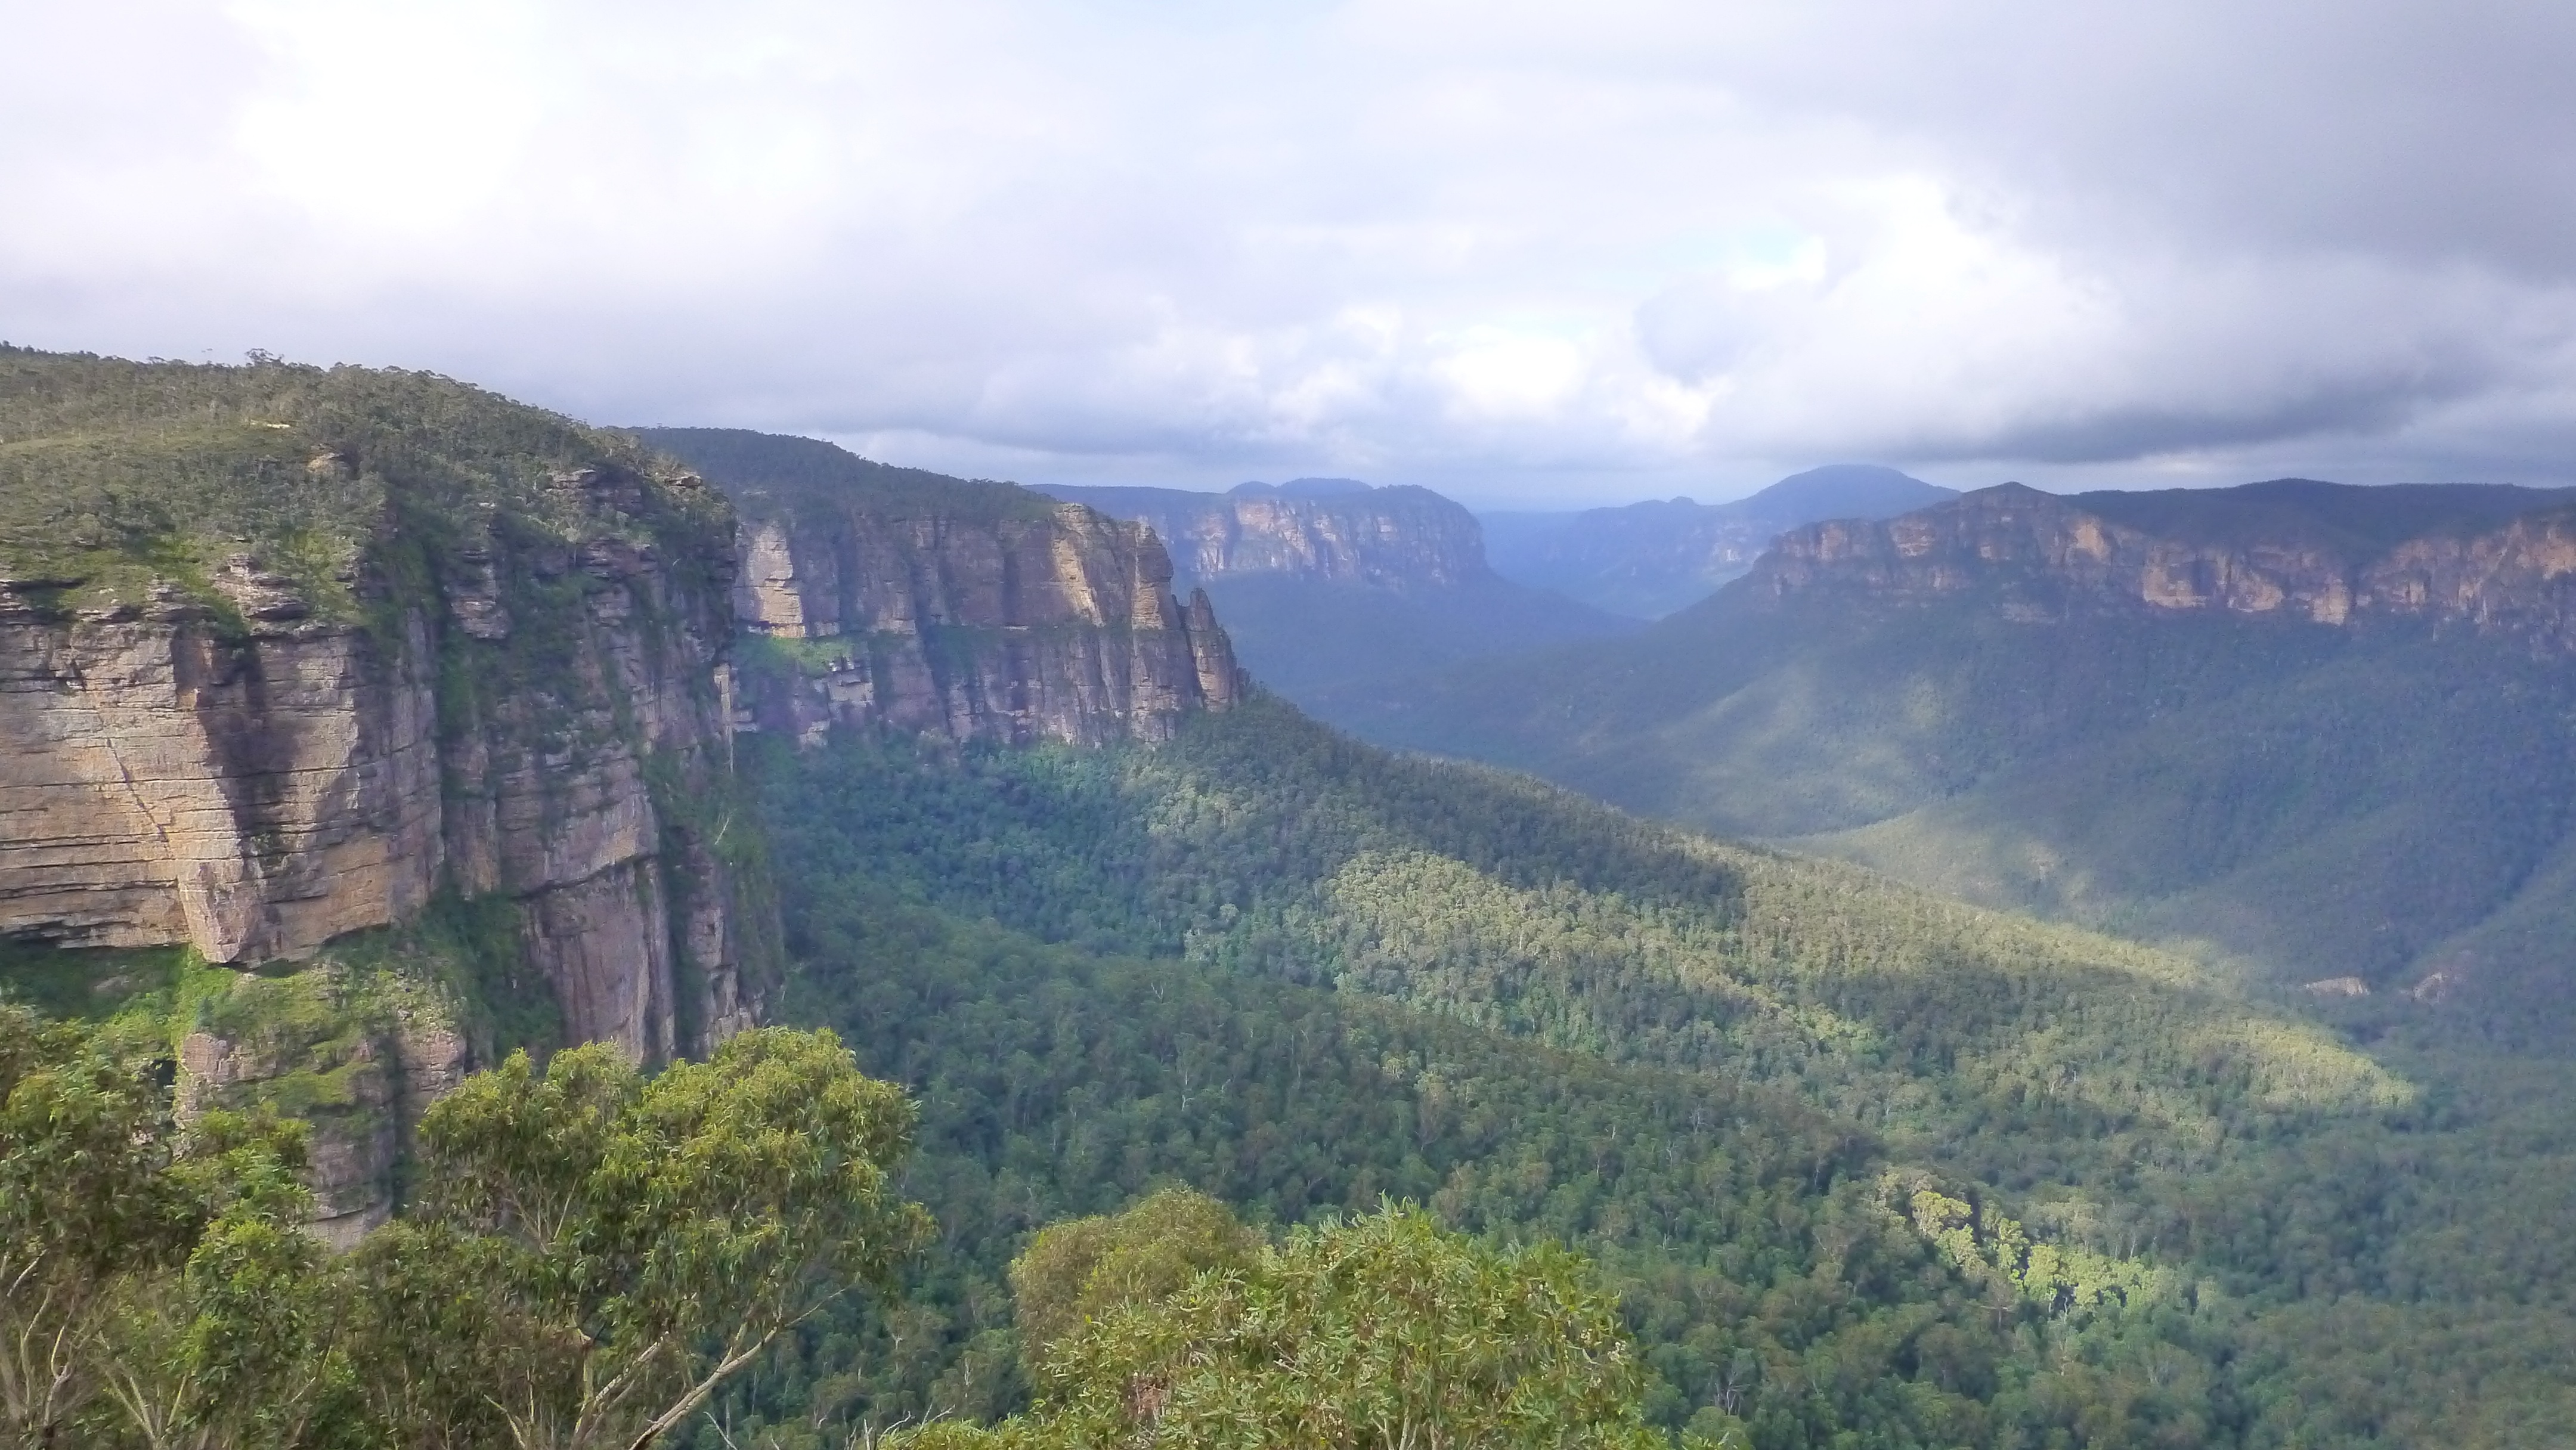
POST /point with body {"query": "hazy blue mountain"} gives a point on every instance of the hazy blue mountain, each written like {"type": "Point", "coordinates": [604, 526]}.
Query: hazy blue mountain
{"type": "Point", "coordinates": [1336, 592]}
{"type": "Point", "coordinates": [2317, 726]}
{"type": "Point", "coordinates": [1650, 559]}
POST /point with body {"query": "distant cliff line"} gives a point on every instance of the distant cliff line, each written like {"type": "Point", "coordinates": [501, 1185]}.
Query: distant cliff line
{"type": "Point", "coordinates": [2489, 556]}
{"type": "Point", "coordinates": [1327, 529]}
{"type": "Point", "coordinates": [931, 605]}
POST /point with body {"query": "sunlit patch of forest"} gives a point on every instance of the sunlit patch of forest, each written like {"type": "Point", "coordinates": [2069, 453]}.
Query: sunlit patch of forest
{"type": "Point", "coordinates": [1860, 1162]}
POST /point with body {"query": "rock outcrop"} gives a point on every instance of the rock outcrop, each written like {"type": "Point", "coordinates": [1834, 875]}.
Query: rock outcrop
{"type": "Point", "coordinates": [256, 788]}
{"type": "Point", "coordinates": [441, 646]}
{"type": "Point", "coordinates": [2493, 559]}
{"type": "Point", "coordinates": [357, 1056]}
{"type": "Point", "coordinates": [950, 608]}
{"type": "Point", "coordinates": [1062, 627]}
{"type": "Point", "coordinates": [1310, 528]}
{"type": "Point", "coordinates": [412, 699]}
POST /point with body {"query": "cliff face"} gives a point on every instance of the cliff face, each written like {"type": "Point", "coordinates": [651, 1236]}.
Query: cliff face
{"type": "Point", "coordinates": [2043, 556]}
{"type": "Point", "coordinates": [1322, 529]}
{"type": "Point", "coordinates": [251, 796]}
{"type": "Point", "coordinates": [973, 611]}
{"type": "Point", "coordinates": [383, 678]}
{"type": "Point", "coordinates": [1336, 594]}
{"type": "Point", "coordinates": [256, 787]}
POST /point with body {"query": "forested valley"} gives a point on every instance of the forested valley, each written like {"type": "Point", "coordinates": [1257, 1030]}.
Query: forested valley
{"type": "Point", "coordinates": [1863, 1166]}
{"type": "Point", "coordinates": [893, 1075]}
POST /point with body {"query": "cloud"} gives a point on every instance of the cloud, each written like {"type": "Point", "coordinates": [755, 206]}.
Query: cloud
{"type": "Point", "coordinates": [1510, 249]}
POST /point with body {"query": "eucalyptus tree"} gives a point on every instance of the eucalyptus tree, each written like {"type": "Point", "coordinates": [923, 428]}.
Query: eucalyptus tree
{"type": "Point", "coordinates": [1381, 1333]}
{"type": "Point", "coordinates": [152, 1275]}
{"type": "Point", "coordinates": [598, 1250]}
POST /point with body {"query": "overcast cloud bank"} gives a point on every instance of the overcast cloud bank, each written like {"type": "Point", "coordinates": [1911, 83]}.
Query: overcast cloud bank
{"type": "Point", "coordinates": [1533, 253]}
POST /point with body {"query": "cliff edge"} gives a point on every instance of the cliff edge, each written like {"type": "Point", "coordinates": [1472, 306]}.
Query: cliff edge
{"type": "Point", "coordinates": [375, 675]}
{"type": "Point", "coordinates": [2492, 558]}
{"type": "Point", "coordinates": [968, 610]}
{"type": "Point", "coordinates": [1326, 529]}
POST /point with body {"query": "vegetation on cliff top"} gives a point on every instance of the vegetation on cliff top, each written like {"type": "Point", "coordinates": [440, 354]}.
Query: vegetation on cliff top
{"type": "Point", "coordinates": [116, 476]}
{"type": "Point", "coordinates": [774, 473]}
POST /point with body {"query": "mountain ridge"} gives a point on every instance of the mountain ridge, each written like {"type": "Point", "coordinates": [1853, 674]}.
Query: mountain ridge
{"type": "Point", "coordinates": [2331, 751]}
{"type": "Point", "coordinates": [1658, 556]}
{"type": "Point", "coordinates": [2462, 553]}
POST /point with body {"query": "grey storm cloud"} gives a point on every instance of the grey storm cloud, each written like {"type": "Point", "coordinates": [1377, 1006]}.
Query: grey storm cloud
{"type": "Point", "coordinates": [1545, 252]}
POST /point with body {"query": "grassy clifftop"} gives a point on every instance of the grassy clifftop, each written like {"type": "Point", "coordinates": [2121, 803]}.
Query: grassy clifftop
{"type": "Point", "coordinates": [116, 476]}
{"type": "Point", "coordinates": [770, 474]}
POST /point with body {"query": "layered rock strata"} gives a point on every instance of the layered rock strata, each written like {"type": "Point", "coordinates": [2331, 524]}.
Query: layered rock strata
{"type": "Point", "coordinates": [2043, 556]}
{"type": "Point", "coordinates": [255, 783]}
{"type": "Point", "coordinates": [1049, 624]}
{"type": "Point", "coordinates": [1324, 529]}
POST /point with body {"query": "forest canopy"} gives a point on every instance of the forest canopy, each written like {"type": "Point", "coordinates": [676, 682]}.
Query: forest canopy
{"type": "Point", "coordinates": [600, 1251]}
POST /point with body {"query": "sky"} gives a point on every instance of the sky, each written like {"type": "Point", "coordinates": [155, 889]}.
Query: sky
{"type": "Point", "coordinates": [1532, 255]}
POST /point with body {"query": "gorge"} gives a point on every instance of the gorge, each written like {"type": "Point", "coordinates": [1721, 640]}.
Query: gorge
{"type": "Point", "coordinates": [372, 725]}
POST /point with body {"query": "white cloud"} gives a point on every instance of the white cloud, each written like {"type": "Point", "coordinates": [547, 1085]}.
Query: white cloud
{"type": "Point", "coordinates": [1502, 247]}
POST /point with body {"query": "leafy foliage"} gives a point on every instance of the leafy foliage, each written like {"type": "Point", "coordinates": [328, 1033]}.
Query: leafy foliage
{"type": "Point", "coordinates": [1081, 1270]}
{"type": "Point", "coordinates": [132, 1252]}
{"type": "Point", "coordinates": [598, 1253]}
{"type": "Point", "coordinates": [1857, 1161]}
{"type": "Point", "coordinates": [1383, 1333]}
{"type": "Point", "coordinates": [631, 1242]}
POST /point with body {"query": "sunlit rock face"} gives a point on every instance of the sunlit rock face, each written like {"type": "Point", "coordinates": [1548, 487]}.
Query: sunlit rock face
{"type": "Point", "coordinates": [883, 597]}
{"type": "Point", "coordinates": [1061, 625]}
{"type": "Point", "coordinates": [2491, 559]}
{"type": "Point", "coordinates": [1334, 530]}
{"type": "Point", "coordinates": [258, 782]}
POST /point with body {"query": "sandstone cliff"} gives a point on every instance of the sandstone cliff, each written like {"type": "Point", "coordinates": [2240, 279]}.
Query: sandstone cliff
{"type": "Point", "coordinates": [1309, 528]}
{"type": "Point", "coordinates": [296, 664]}
{"type": "Point", "coordinates": [2488, 558]}
{"type": "Point", "coordinates": [1336, 593]}
{"type": "Point", "coordinates": [970, 611]}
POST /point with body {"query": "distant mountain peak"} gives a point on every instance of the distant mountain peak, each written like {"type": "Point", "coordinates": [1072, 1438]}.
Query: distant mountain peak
{"type": "Point", "coordinates": [1843, 490]}
{"type": "Point", "coordinates": [1651, 558]}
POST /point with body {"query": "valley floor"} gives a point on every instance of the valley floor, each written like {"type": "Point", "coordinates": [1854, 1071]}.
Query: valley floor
{"type": "Point", "coordinates": [1867, 1166]}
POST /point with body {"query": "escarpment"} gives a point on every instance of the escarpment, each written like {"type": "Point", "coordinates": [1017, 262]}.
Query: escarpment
{"type": "Point", "coordinates": [2498, 559]}
{"type": "Point", "coordinates": [1334, 530]}
{"type": "Point", "coordinates": [378, 683]}
{"type": "Point", "coordinates": [1336, 593]}
{"type": "Point", "coordinates": [955, 609]}
{"type": "Point", "coordinates": [256, 786]}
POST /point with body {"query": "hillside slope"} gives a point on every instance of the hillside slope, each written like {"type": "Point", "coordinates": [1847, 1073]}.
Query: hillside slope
{"type": "Point", "coordinates": [1862, 1163]}
{"type": "Point", "coordinates": [2320, 728]}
